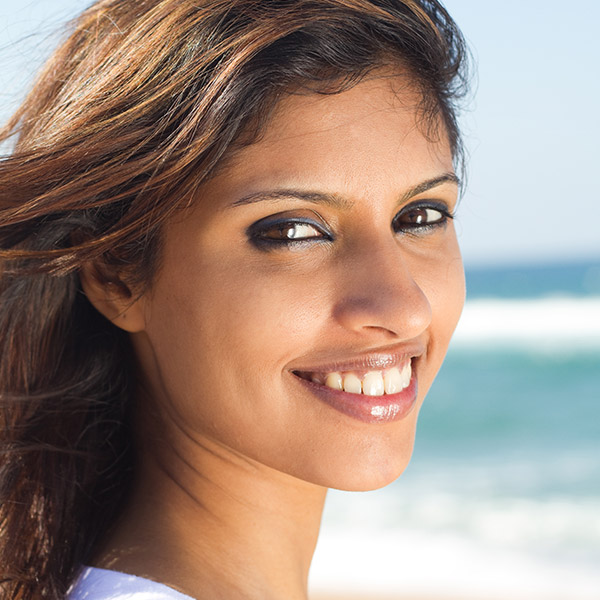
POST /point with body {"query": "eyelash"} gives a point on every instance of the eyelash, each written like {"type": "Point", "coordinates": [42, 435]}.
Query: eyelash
{"type": "Point", "coordinates": [258, 232]}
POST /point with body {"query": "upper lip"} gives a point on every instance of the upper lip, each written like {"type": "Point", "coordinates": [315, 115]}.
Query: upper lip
{"type": "Point", "coordinates": [383, 358]}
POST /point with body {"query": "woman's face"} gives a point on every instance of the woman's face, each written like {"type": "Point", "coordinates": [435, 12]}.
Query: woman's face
{"type": "Point", "coordinates": [322, 257]}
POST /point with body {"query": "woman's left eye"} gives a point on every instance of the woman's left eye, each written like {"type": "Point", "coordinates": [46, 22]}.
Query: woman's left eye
{"type": "Point", "coordinates": [267, 233]}
{"type": "Point", "coordinates": [421, 217]}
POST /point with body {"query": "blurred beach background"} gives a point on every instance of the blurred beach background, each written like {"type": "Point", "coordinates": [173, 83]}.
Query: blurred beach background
{"type": "Point", "coordinates": [502, 497]}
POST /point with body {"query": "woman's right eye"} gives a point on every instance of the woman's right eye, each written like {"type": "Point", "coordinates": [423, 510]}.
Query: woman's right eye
{"type": "Point", "coordinates": [286, 232]}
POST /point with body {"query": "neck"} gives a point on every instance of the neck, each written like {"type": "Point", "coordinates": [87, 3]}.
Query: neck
{"type": "Point", "coordinates": [213, 524]}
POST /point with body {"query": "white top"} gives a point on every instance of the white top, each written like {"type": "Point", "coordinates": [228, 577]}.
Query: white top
{"type": "Point", "coordinates": [101, 584]}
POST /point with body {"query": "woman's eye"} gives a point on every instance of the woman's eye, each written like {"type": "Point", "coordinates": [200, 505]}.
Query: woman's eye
{"type": "Point", "coordinates": [291, 231]}
{"type": "Point", "coordinates": [285, 233]}
{"type": "Point", "coordinates": [415, 218]}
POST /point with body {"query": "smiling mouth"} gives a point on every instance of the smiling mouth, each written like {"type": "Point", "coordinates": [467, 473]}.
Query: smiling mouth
{"type": "Point", "coordinates": [369, 383]}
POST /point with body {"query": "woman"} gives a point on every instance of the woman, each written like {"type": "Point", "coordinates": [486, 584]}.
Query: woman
{"type": "Point", "coordinates": [230, 276]}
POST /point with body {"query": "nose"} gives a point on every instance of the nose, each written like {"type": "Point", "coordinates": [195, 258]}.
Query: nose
{"type": "Point", "coordinates": [377, 293]}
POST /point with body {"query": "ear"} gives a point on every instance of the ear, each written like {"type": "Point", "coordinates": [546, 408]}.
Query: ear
{"type": "Point", "coordinates": [113, 298]}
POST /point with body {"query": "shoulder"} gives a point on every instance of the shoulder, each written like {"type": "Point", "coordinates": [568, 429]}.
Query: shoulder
{"type": "Point", "coordinates": [102, 584]}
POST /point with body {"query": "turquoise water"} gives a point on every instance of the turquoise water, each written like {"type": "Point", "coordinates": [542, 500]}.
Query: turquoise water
{"type": "Point", "coordinates": [514, 405]}
{"type": "Point", "coordinates": [577, 279]}
{"type": "Point", "coordinates": [502, 497]}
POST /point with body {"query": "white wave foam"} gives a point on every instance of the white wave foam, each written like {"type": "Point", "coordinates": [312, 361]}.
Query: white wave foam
{"type": "Point", "coordinates": [413, 542]}
{"type": "Point", "coordinates": [559, 522]}
{"type": "Point", "coordinates": [446, 566]}
{"type": "Point", "coordinates": [574, 322]}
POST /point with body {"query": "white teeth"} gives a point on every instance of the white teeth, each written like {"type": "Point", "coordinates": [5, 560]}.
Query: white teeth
{"type": "Point", "coordinates": [334, 381]}
{"type": "Point", "coordinates": [406, 375]}
{"type": "Point", "coordinates": [372, 384]}
{"type": "Point", "coordinates": [393, 381]}
{"type": "Point", "coordinates": [352, 384]}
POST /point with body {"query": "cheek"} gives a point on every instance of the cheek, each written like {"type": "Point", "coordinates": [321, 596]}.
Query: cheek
{"type": "Point", "coordinates": [225, 330]}
{"type": "Point", "coordinates": [445, 289]}
{"type": "Point", "coordinates": [272, 313]}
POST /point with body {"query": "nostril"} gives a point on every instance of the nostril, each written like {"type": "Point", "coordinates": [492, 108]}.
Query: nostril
{"type": "Point", "coordinates": [380, 328]}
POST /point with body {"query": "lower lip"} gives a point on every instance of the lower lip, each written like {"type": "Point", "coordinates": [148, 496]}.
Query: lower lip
{"type": "Point", "coordinates": [368, 409]}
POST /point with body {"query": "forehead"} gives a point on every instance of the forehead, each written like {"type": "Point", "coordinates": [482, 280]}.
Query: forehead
{"type": "Point", "coordinates": [377, 94]}
{"type": "Point", "coordinates": [362, 138]}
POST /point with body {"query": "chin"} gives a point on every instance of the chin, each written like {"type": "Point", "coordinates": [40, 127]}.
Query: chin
{"type": "Point", "coordinates": [369, 482]}
{"type": "Point", "coordinates": [367, 463]}
{"type": "Point", "coordinates": [377, 477]}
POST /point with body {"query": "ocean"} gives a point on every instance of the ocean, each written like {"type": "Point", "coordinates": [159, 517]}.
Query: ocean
{"type": "Point", "coordinates": [502, 497]}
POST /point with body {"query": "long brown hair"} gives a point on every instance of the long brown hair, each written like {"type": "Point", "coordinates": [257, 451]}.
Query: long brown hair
{"type": "Point", "coordinates": [133, 112]}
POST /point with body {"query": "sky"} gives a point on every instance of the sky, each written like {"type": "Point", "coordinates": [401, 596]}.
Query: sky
{"type": "Point", "coordinates": [532, 126]}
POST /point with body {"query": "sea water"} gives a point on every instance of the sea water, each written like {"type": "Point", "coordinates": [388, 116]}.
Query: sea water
{"type": "Point", "coordinates": [502, 497]}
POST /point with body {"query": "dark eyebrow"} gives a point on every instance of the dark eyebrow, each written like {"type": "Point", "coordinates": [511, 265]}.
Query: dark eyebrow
{"type": "Point", "coordinates": [335, 200]}
{"type": "Point", "coordinates": [430, 184]}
